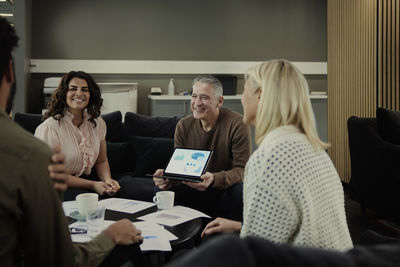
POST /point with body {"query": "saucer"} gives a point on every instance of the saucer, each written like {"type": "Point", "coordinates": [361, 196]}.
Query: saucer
{"type": "Point", "coordinates": [76, 215]}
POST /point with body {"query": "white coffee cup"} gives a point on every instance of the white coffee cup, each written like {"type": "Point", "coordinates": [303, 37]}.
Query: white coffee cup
{"type": "Point", "coordinates": [86, 201]}
{"type": "Point", "coordinates": [164, 200]}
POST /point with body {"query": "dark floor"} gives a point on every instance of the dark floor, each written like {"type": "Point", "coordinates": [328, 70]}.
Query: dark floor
{"type": "Point", "coordinates": [358, 224]}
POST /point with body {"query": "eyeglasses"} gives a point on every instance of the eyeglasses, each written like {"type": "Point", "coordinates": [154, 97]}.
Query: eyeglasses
{"type": "Point", "coordinates": [74, 230]}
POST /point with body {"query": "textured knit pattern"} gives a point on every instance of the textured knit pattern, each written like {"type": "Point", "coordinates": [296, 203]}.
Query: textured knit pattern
{"type": "Point", "coordinates": [293, 194]}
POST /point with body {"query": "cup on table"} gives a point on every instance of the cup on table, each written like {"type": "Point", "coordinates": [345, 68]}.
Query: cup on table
{"type": "Point", "coordinates": [86, 201]}
{"type": "Point", "coordinates": [95, 220]}
{"type": "Point", "coordinates": [164, 200]}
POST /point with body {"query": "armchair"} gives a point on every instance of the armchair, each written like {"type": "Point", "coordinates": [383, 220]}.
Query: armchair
{"type": "Point", "coordinates": [375, 168]}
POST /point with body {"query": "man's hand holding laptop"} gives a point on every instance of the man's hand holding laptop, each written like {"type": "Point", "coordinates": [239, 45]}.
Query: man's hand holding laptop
{"type": "Point", "coordinates": [165, 183]}
{"type": "Point", "coordinates": [162, 183]}
{"type": "Point", "coordinates": [187, 166]}
{"type": "Point", "coordinates": [208, 179]}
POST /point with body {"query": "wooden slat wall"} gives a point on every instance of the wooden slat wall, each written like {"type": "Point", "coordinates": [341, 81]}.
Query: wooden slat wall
{"type": "Point", "coordinates": [352, 66]}
{"type": "Point", "coordinates": [388, 54]}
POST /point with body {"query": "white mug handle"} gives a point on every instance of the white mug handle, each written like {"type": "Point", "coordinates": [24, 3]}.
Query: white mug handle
{"type": "Point", "coordinates": [156, 199]}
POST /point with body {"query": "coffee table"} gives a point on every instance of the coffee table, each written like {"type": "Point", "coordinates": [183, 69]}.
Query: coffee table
{"type": "Point", "coordinates": [184, 231]}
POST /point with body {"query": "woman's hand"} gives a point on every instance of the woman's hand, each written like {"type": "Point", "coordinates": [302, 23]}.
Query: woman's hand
{"type": "Point", "coordinates": [221, 225]}
{"type": "Point", "coordinates": [114, 186]}
{"type": "Point", "coordinates": [101, 188]}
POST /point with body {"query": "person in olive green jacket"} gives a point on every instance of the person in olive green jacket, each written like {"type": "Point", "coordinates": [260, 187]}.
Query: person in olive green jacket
{"type": "Point", "coordinates": [33, 228]}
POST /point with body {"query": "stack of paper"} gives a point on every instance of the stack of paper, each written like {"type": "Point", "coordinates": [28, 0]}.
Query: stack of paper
{"type": "Point", "coordinates": [174, 216]}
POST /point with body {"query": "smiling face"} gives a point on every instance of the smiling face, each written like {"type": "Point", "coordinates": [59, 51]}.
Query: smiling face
{"type": "Point", "coordinates": [78, 95]}
{"type": "Point", "coordinates": [250, 99]}
{"type": "Point", "coordinates": [204, 104]}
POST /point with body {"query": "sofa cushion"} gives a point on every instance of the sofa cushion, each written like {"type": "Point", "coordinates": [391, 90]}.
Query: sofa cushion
{"type": "Point", "coordinates": [28, 121]}
{"type": "Point", "coordinates": [142, 125]}
{"type": "Point", "coordinates": [113, 121]}
{"type": "Point", "coordinates": [121, 157]}
{"type": "Point", "coordinates": [152, 153]}
{"type": "Point", "coordinates": [136, 188]}
{"type": "Point", "coordinates": [389, 125]}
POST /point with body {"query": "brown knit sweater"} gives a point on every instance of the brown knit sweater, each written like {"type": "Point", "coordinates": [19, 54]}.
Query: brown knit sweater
{"type": "Point", "coordinates": [229, 140]}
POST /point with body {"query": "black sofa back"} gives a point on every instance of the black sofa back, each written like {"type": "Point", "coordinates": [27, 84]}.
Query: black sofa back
{"type": "Point", "coordinates": [151, 139]}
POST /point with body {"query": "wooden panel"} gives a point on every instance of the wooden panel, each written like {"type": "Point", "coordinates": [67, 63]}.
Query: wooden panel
{"type": "Point", "coordinates": [397, 52]}
{"type": "Point", "coordinates": [388, 54]}
{"type": "Point", "coordinates": [351, 72]}
{"type": "Point", "coordinates": [363, 67]}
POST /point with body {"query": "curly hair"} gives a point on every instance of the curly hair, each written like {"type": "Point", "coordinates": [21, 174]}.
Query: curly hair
{"type": "Point", "coordinates": [58, 103]}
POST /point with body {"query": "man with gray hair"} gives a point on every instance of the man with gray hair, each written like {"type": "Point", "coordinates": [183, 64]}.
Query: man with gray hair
{"type": "Point", "coordinates": [222, 131]}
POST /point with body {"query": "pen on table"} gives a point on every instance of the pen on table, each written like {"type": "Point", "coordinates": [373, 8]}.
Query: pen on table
{"type": "Point", "coordinates": [74, 231]}
{"type": "Point", "coordinates": [150, 237]}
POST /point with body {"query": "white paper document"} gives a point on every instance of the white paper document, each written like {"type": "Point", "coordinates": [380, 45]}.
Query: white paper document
{"type": "Point", "coordinates": [174, 216]}
{"type": "Point", "coordinates": [81, 238]}
{"type": "Point", "coordinates": [125, 205]}
{"type": "Point", "coordinates": [69, 207]}
{"type": "Point", "coordinates": [155, 237]}
{"type": "Point", "coordinates": [117, 204]}
{"type": "Point", "coordinates": [170, 235]}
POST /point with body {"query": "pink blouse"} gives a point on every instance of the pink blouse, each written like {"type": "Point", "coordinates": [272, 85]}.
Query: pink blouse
{"type": "Point", "coordinates": [80, 145]}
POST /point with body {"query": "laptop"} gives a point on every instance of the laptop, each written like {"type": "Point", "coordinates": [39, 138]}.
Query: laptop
{"type": "Point", "coordinates": [187, 164]}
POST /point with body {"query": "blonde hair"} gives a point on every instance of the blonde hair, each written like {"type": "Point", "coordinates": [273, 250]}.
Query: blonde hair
{"type": "Point", "coordinates": [284, 100]}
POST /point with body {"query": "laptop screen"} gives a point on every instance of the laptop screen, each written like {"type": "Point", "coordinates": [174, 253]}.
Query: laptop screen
{"type": "Point", "coordinates": [188, 162]}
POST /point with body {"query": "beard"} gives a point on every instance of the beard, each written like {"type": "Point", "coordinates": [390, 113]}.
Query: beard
{"type": "Point", "coordinates": [10, 99]}
{"type": "Point", "coordinates": [13, 89]}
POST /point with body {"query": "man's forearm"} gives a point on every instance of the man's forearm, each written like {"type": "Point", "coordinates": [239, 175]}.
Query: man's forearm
{"type": "Point", "coordinates": [225, 179]}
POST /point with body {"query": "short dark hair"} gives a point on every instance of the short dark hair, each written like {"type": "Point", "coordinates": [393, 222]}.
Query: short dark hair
{"type": "Point", "coordinates": [8, 40]}
{"type": "Point", "coordinates": [58, 101]}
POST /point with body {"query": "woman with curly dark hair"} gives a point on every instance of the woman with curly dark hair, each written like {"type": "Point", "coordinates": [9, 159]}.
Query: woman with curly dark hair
{"type": "Point", "coordinates": [73, 122]}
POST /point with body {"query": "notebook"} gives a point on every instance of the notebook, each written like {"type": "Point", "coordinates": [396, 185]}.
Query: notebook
{"type": "Point", "coordinates": [187, 164]}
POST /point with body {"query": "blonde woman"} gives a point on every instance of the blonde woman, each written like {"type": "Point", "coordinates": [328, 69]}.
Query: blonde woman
{"type": "Point", "coordinates": [292, 192]}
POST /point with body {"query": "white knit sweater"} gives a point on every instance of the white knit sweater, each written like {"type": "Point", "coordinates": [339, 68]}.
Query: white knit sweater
{"type": "Point", "coordinates": [292, 194]}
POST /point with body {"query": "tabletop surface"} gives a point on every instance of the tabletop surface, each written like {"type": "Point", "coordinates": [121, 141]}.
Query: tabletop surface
{"type": "Point", "coordinates": [183, 231]}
